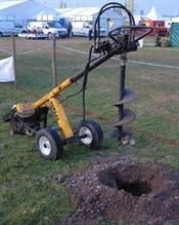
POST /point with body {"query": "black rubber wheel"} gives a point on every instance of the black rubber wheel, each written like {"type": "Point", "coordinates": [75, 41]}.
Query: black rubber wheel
{"type": "Point", "coordinates": [93, 132]}
{"type": "Point", "coordinates": [49, 144]}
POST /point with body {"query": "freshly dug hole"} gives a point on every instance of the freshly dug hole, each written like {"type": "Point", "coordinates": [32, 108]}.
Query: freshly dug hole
{"type": "Point", "coordinates": [127, 192]}
{"type": "Point", "coordinates": [135, 187]}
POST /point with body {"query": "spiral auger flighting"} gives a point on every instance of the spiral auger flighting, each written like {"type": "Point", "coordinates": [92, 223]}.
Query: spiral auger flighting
{"type": "Point", "coordinates": [125, 39]}
{"type": "Point", "coordinates": [125, 116]}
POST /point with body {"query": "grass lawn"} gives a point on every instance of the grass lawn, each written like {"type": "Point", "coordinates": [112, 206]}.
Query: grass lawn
{"type": "Point", "coordinates": [28, 191]}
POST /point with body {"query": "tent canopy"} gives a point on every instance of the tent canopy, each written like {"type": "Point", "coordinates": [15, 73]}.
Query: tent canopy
{"type": "Point", "coordinates": [153, 14]}
{"type": "Point", "coordinates": [25, 10]}
{"type": "Point", "coordinates": [86, 13]}
{"type": "Point", "coordinates": [76, 12]}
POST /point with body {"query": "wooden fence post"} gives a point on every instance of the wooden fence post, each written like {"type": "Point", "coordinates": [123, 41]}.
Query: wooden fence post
{"type": "Point", "coordinates": [54, 64]}
{"type": "Point", "coordinates": [14, 59]}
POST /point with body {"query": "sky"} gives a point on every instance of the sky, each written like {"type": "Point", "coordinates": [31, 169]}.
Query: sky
{"type": "Point", "coordinates": [163, 7]}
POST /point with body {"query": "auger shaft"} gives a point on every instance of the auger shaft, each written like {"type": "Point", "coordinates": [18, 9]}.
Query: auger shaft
{"type": "Point", "coordinates": [125, 116]}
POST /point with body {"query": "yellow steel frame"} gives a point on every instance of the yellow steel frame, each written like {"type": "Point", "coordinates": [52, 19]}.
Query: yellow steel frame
{"type": "Point", "coordinates": [51, 100]}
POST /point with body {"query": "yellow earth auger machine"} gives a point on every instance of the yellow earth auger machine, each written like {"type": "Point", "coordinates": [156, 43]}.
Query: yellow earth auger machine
{"type": "Point", "coordinates": [31, 118]}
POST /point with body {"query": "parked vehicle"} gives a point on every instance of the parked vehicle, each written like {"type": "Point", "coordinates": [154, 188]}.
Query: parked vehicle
{"type": "Point", "coordinates": [159, 28]}
{"type": "Point", "coordinates": [9, 27]}
{"type": "Point", "coordinates": [84, 28]}
{"type": "Point", "coordinates": [47, 28]}
{"type": "Point", "coordinates": [66, 22]}
{"type": "Point", "coordinates": [19, 29]}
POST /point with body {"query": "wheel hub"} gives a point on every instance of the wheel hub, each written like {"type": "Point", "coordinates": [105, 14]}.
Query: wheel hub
{"type": "Point", "coordinates": [84, 131]}
{"type": "Point", "coordinates": [44, 145]}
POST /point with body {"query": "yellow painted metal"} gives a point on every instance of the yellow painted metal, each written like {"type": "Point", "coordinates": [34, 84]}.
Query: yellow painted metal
{"type": "Point", "coordinates": [24, 107]}
{"type": "Point", "coordinates": [50, 101]}
{"type": "Point", "coordinates": [61, 118]}
{"type": "Point", "coordinates": [53, 93]}
{"type": "Point", "coordinates": [25, 110]}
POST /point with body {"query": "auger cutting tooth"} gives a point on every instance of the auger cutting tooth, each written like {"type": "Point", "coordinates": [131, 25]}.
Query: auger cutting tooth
{"type": "Point", "coordinates": [129, 96]}
{"type": "Point", "coordinates": [128, 117]}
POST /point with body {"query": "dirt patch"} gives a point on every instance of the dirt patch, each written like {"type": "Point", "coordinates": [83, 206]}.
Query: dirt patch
{"type": "Point", "coordinates": [124, 192]}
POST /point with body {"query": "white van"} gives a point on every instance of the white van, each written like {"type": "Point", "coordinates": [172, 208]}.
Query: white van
{"type": "Point", "coordinates": [9, 27]}
{"type": "Point", "coordinates": [83, 28]}
{"type": "Point", "coordinates": [47, 28]}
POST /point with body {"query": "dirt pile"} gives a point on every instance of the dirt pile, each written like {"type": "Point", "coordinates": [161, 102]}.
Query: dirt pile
{"type": "Point", "coordinates": [126, 193]}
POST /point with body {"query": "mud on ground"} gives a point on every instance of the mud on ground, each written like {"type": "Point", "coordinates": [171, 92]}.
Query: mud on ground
{"type": "Point", "coordinates": [124, 192]}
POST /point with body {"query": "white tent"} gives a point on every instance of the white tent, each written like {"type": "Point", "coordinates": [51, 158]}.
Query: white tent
{"type": "Point", "coordinates": [78, 14]}
{"type": "Point", "coordinates": [24, 10]}
{"type": "Point", "coordinates": [109, 19]}
{"type": "Point", "coordinates": [153, 14]}
{"type": "Point", "coordinates": [175, 19]}
{"type": "Point", "coordinates": [138, 18]}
